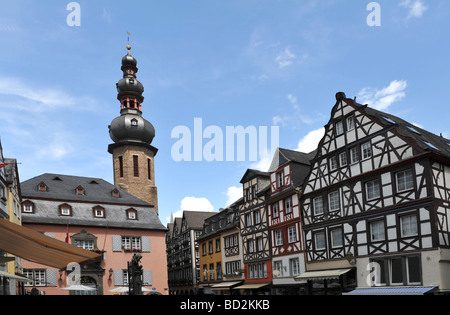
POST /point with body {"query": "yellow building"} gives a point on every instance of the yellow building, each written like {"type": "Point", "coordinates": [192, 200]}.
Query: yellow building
{"type": "Point", "coordinates": [11, 280]}
{"type": "Point", "coordinates": [210, 248]}
{"type": "Point", "coordinates": [219, 252]}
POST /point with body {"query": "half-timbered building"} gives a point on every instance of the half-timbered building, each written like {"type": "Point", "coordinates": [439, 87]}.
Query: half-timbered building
{"type": "Point", "coordinates": [183, 252]}
{"type": "Point", "coordinates": [254, 231]}
{"type": "Point", "coordinates": [377, 202]}
{"type": "Point", "coordinates": [220, 248]}
{"type": "Point", "coordinates": [287, 173]}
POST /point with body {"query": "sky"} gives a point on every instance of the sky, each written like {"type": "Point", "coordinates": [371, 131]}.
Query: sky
{"type": "Point", "coordinates": [251, 63]}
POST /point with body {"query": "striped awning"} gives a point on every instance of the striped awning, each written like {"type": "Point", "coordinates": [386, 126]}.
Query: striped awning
{"type": "Point", "coordinates": [322, 274]}
{"type": "Point", "coordinates": [37, 247]}
{"type": "Point", "coordinates": [252, 286]}
{"type": "Point", "coordinates": [224, 285]}
{"type": "Point", "coordinates": [391, 291]}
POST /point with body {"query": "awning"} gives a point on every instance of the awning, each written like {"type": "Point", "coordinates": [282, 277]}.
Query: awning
{"type": "Point", "coordinates": [322, 275]}
{"type": "Point", "coordinates": [224, 285]}
{"type": "Point", "coordinates": [14, 277]}
{"type": "Point", "coordinates": [252, 286]}
{"type": "Point", "coordinates": [37, 247]}
{"type": "Point", "coordinates": [391, 291]}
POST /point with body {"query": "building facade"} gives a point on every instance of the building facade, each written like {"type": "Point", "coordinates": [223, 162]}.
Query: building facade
{"type": "Point", "coordinates": [254, 230]}
{"type": "Point", "coordinates": [183, 256]}
{"type": "Point", "coordinates": [97, 216]}
{"type": "Point", "coordinates": [11, 270]}
{"type": "Point", "coordinates": [221, 259]}
{"type": "Point", "coordinates": [375, 204]}
{"type": "Point", "coordinates": [287, 173]}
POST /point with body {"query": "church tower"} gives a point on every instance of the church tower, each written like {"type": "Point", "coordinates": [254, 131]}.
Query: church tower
{"type": "Point", "coordinates": [133, 154]}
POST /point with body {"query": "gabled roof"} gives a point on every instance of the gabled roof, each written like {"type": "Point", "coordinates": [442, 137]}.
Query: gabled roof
{"type": "Point", "coordinates": [283, 156]}
{"type": "Point", "coordinates": [251, 173]}
{"type": "Point", "coordinates": [423, 139]}
{"type": "Point", "coordinates": [195, 219]}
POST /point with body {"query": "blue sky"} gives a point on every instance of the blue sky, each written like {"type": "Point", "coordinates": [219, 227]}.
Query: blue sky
{"type": "Point", "coordinates": [231, 63]}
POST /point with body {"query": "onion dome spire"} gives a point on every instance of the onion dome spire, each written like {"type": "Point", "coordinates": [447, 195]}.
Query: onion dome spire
{"type": "Point", "coordinates": [131, 126]}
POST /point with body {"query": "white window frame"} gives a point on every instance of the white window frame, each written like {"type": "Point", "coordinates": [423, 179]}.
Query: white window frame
{"type": "Point", "coordinates": [275, 210]}
{"type": "Point", "coordinates": [320, 241]}
{"type": "Point", "coordinates": [366, 150]}
{"type": "Point", "coordinates": [354, 155]}
{"type": "Point", "coordinates": [404, 180]}
{"type": "Point", "coordinates": [409, 225]}
{"type": "Point", "coordinates": [377, 231]}
{"type": "Point", "coordinates": [337, 239]}
{"type": "Point", "coordinates": [333, 163]}
{"type": "Point", "coordinates": [339, 128]}
{"type": "Point", "coordinates": [350, 123]}
{"type": "Point", "coordinates": [292, 234]}
{"type": "Point", "coordinates": [332, 202]}
{"type": "Point", "coordinates": [278, 238]}
{"type": "Point", "coordinates": [373, 189]}
{"type": "Point", "coordinates": [318, 210]}
{"type": "Point", "coordinates": [343, 159]}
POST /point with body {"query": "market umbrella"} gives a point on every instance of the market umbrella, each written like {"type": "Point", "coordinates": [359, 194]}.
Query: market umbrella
{"type": "Point", "coordinates": [78, 287]}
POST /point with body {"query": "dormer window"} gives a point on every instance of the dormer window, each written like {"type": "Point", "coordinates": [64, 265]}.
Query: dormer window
{"type": "Point", "coordinates": [115, 193]}
{"type": "Point", "coordinates": [27, 207]}
{"type": "Point", "coordinates": [65, 210]}
{"type": "Point", "coordinates": [42, 186]}
{"type": "Point", "coordinates": [80, 190]}
{"type": "Point", "coordinates": [131, 214]}
{"type": "Point", "coordinates": [134, 122]}
{"type": "Point", "coordinates": [99, 212]}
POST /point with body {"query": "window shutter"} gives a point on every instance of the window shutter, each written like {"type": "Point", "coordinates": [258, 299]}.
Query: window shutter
{"type": "Point", "coordinates": [147, 277]}
{"type": "Point", "coordinates": [118, 277]}
{"type": "Point", "coordinates": [52, 277]}
{"type": "Point", "coordinates": [117, 243]}
{"type": "Point", "coordinates": [146, 244]}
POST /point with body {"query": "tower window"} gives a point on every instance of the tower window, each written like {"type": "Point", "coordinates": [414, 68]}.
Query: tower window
{"type": "Point", "coordinates": [149, 168]}
{"type": "Point", "coordinates": [121, 166]}
{"type": "Point", "coordinates": [136, 165]}
{"type": "Point", "coordinates": [134, 122]}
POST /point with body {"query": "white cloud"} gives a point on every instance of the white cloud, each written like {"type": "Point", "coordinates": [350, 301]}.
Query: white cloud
{"type": "Point", "coordinates": [382, 99]}
{"type": "Point", "coordinates": [42, 99]}
{"type": "Point", "coordinates": [193, 204]}
{"type": "Point", "coordinates": [264, 162]}
{"type": "Point", "coordinates": [416, 8]}
{"type": "Point", "coordinates": [310, 142]}
{"type": "Point", "coordinates": [285, 58]}
{"type": "Point", "coordinates": [295, 118]}
{"type": "Point", "coordinates": [233, 193]}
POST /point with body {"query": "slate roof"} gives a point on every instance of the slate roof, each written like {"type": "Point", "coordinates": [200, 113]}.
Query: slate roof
{"type": "Point", "coordinates": [195, 219]}
{"type": "Point", "coordinates": [423, 139]}
{"type": "Point", "coordinates": [63, 187]}
{"type": "Point", "coordinates": [98, 192]}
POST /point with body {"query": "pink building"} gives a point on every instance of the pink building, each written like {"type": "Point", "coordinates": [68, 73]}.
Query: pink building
{"type": "Point", "coordinates": [95, 215]}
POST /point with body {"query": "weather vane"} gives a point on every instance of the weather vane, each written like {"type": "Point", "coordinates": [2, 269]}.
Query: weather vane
{"type": "Point", "coordinates": [129, 47]}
